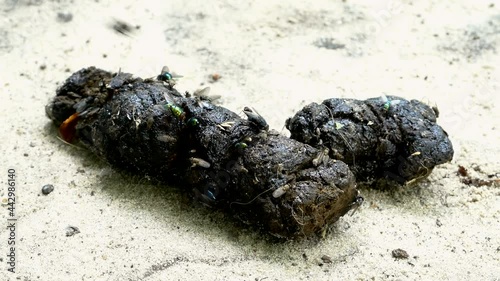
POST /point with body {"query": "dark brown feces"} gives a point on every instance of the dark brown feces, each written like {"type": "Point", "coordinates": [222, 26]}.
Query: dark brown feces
{"type": "Point", "coordinates": [280, 185]}
{"type": "Point", "coordinates": [386, 141]}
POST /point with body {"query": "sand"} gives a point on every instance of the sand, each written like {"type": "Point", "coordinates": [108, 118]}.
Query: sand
{"type": "Point", "coordinates": [269, 55]}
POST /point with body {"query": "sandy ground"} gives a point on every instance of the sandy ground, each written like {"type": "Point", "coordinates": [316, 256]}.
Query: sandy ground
{"type": "Point", "coordinates": [272, 56]}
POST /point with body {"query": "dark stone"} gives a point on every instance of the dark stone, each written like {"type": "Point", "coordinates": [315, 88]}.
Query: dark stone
{"type": "Point", "coordinates": [47, 189]}
{"type": "Point", "coordinates": [72, 230]}
{"type": "Point", "coordinates": [399, 254]}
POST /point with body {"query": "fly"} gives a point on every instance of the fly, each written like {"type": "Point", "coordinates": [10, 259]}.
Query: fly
{"type": "Point", "coordinates": [388, 103]}
{"type": "Point", "coordinates": [256, 118]}
{"type": "Point", "coordinates": [203, 95]}
{"type": "Point", "coordinates": [358, 201]}
{"type": "Point", "coordinates": [167, 76]}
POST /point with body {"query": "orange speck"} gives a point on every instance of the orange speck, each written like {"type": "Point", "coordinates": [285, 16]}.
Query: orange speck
{"type": "Point", "coordinates": [67, 129]}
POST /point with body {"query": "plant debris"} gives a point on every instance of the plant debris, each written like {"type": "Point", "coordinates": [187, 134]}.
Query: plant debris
{"type": "Point", "coordinates": [285, 187]}
{"type": "Point", "coordinates": [462, 171]}
{"type": "Point", "coordinates": [386, 141]}
{"type": "Point", "coordinates": [477, 182]}
{"type": "Point", "coordinates": [474, 181]}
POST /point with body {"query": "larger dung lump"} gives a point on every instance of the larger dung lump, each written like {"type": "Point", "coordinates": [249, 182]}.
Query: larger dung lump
{"type": "Point", "coordinates": [277, 184]}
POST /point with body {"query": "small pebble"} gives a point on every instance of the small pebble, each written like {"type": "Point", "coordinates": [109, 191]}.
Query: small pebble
{"type": "Point", "coordinates": [215, 77]}
{"type": "Point", "coordinates": [46, 189]}
{"type": "Point", "coordinates": [326, 259]}
{"type": "Point", "coordinates": [72, 230]}
{"type": "Point", "coordinates": [123, 27]}
{"type": "Point", "coordinates": [64, 17]}
{"type": "Point", "coordinates": [399, 254]}
{"type": "Point", "coordinates": [328, 43]}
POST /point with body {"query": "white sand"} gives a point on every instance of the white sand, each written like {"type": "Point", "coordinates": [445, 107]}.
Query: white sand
{"type": "Point", "coordinates": [442, 52]}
